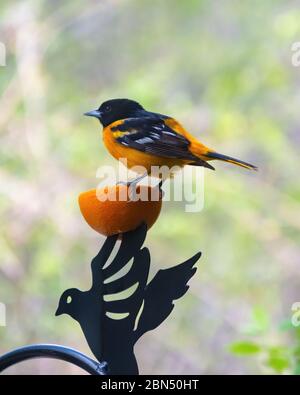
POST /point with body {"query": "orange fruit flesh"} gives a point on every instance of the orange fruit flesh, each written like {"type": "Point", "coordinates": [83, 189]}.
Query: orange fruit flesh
{"type": "Point", "coordinates": [110, 211]}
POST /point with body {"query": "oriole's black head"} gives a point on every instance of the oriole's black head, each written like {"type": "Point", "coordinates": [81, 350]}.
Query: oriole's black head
{"type": "Point", "coordinates": [116, 109]}
{"type": "Point", "coordinates": [68, 301]}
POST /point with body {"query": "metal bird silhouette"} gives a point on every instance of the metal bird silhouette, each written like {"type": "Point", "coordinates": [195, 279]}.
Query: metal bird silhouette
{"type": "Point", "coordinates": [111, 323]}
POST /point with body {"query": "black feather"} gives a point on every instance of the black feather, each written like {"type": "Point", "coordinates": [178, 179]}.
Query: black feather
{"type": "Point", "coordinates": [153, 136]}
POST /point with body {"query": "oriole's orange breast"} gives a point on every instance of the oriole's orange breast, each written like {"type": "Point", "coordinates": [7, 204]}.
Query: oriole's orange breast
{"type": "Point", "coordinates": [133, 156]}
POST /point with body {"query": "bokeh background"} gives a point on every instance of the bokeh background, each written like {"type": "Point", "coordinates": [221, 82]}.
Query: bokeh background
{"type": "Point", "coordinates": [225, 70]}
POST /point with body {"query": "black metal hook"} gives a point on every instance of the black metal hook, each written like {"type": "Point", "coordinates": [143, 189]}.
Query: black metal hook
{"type": "Point", "coordinates": [53, 351]}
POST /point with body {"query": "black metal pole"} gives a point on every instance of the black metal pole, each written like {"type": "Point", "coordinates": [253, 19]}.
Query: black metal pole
{"type": "Point", "coordinates": [53, 351]}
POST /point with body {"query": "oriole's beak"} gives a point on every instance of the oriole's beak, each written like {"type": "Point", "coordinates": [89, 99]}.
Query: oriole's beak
{"type": "Point", "coordinates": [93, 113]}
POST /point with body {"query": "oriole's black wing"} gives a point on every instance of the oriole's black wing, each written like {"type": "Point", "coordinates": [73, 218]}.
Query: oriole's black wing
{"type": "Point", "coordinates": [151, 135]}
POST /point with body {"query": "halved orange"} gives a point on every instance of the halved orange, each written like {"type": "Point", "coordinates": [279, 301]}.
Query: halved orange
{"type": "Point", "coordinates": [111, 210]}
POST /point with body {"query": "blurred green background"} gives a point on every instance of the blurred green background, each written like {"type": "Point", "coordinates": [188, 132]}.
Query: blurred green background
{"type": "Point", "coordinates": [225, 71]}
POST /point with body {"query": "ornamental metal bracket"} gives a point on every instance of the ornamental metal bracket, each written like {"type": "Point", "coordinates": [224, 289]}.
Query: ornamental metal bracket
{"type": "Point", "coordinates": [112, 323]}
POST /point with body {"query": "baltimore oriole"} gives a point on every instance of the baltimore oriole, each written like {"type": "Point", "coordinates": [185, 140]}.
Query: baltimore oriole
{"type": "Point", "coordinates": [149, 139]}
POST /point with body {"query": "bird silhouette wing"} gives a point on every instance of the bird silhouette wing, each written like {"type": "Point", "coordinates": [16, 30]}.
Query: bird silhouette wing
{"type": "Point", "coordinates": [107, 282]}
{"type": "Point", "coordinates": [100, 260]}
{"type": "Point", "coordinates": [167, 286]}
{"type": "Point", "coordinates": [131, 244]}
{"type": "Point", "coordinates": [135, 282]}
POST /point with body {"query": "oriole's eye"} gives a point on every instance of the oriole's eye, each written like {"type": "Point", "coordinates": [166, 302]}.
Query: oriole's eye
{"type": "Point", "coordinates": [107, 108]}
{"type": "Point", "coordinates": [69, 299]}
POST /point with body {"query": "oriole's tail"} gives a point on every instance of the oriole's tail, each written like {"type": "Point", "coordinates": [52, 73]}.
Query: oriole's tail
{"type": "Point", "coordinates": [225, 158]}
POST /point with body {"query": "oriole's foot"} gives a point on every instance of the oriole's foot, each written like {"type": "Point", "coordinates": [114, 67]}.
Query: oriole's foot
{"type": "Point", "coordinates": [132, 186]}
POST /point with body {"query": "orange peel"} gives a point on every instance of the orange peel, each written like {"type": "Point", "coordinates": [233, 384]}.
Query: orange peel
{"type": "Point", "coordinates": [112, 210]}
